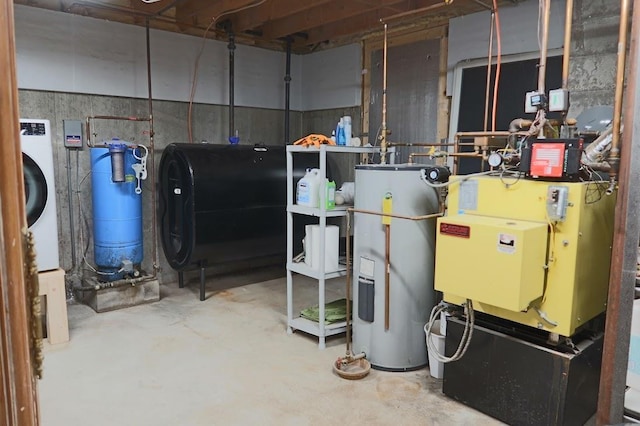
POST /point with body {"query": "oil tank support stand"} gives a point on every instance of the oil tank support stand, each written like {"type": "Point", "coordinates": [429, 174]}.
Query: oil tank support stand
{"type": "Point", "coordinates": [202, 267]}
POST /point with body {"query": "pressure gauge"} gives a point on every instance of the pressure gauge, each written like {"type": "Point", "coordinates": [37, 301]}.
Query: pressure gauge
{"type": "Point", "coordinates": [495, 159]}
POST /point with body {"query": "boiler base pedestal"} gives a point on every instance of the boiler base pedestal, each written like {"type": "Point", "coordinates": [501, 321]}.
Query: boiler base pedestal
{"type": "Point", "coordinates": [110, 299]}
{"type": "Point", "coordinates": [522, 382]}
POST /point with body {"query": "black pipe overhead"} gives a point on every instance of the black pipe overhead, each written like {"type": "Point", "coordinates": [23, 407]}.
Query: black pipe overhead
{"type": "Point", "coordinates": [232, 49]}
{"type": "Point", "coordinates": [287, 93]}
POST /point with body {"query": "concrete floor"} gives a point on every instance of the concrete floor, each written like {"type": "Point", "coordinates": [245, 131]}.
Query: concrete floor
{"type": "Point", "coordinates": [225, 361]}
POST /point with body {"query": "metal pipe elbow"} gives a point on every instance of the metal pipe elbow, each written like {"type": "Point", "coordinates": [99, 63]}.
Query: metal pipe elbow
{"type": "Point", "coordinates": [519, 124]}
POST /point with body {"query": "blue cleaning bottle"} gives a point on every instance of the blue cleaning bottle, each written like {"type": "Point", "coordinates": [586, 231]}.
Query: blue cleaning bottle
{"type": "Point", "coordinates": [340, 136]}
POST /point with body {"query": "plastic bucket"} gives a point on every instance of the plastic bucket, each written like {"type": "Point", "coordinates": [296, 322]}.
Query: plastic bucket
{"type": "Point", "coordinates": [436, 368]}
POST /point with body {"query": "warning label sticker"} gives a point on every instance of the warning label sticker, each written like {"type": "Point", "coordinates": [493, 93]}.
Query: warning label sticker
{"type": "Point", "coordinates": [547, 159]}
{"type": "Point", "coordinates": [461, 231]}
{"type": "Point", "coordinates": [506, 243]}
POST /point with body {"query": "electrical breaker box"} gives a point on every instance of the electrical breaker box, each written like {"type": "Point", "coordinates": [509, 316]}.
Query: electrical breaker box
{"type": "Point", "coordinates": [72, 134]}
{"type": "Point", "coordinates": [491, 260]}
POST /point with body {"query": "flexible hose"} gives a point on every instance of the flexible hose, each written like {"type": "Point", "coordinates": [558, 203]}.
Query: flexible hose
{"type": "Point", "coordinates": [466, 335]}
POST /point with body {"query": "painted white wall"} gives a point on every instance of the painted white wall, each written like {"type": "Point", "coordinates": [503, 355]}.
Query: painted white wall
{"type": "Point", "coordinates": [332, 78]}
{"type": "Point", "coordinates": [469, 35]}
{"type": "Point", "coordinates": [69, 53]}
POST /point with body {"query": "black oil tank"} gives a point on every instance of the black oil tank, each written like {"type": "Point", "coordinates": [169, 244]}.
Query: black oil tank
{"type": "Point", "coordinates": [224, 203]}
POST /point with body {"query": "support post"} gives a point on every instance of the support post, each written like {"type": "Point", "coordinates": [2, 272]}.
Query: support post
{"type": "Point", "coordinates": [625, 249]}
{"type": "Point", "coordinates": [202, 269]}
{"type": "Point", "coordinates": [287, 93]}
{"type": "Point", "coordinates": [232, 48]}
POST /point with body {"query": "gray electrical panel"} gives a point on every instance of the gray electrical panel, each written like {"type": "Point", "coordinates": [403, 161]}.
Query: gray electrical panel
{"type": "Point", "coordinates": [72, 134]}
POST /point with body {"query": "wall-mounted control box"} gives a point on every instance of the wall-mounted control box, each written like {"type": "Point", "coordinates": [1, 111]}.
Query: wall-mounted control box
{"type": "Point", "coordinates": [72, 134]}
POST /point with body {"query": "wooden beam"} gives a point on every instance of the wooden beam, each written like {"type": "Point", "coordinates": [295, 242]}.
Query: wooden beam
{"type": "Point", "coordinates": [271, 10]}
{"type": "Point", "coordinates": [365, 22]}
{"type": "Point", "coordinates": [150, 8]}
{"type": "Point", "coordinates": [319, 16]}
{"type": "Point", "coordinates": [198, 11]}
{"type": "Point", "coordinates": [19, 403]}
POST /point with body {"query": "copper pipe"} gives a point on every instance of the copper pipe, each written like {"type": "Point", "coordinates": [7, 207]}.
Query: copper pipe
{"type": "Point", "coordinates": [566, 53]}
{"type": "Point", "coordinates": [383, 135]}
{"type": "Point", "coordinates": [387, 256]}
{"type": "Point", "coordinates": [387, 273]}
{"type": "Point", "coordinates": [489, 61]}
{"type": "Point", "coordinates": [429, 145]}
{"type": "Point", "coordinates": [466, 154]}
{"type": "Point", "coordinates": [348, 289]}
{"type": "Point", "coordinates": [519, 124]}
{"type": "Point", "coordinates": [569, 121]}
{"type": "Point", "coordinates": [108, 117]}
{"type": "Point", "coordinates": [420, 154]}
{"type": "Point", "coordinates": [462, 135]}
{"type": "Point", "coordinates": [622, 272]}
{"type": "Point", "coordinates": [542, 69]}
{"type": "Point", "coordinates": [614, 156]}
{"type": "Point", "coordinates": [152, 153]}
{"type": "Point", "coordinates": [397, 216]}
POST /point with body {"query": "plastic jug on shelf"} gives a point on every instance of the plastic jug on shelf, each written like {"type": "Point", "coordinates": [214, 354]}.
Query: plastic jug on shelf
{"type": "Point", "coordinates": [308, 189]}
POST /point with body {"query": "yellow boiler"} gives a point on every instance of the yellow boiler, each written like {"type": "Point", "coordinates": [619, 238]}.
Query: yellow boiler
{"type": "Point", "coordinates": [534, 252]}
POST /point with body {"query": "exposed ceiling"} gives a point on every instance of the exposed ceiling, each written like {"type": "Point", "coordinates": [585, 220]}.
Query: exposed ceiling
{"type": "Point", "coordinates": [309, 24]}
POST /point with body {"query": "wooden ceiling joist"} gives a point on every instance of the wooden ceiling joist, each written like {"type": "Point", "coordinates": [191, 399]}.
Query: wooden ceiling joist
{"type": "Point", "coordinates": [270, 10]}
{"type": "Point", "coordinates": [364, 22]}
{"type": "Point", "coordinates": [201, 13]}
{"type": "Point", "coordinates": [266, 23]}
{"type": "Point", "coordinates": [319, 16]}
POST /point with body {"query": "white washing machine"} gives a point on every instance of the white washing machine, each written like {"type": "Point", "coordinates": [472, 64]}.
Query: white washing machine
{"type": "Point", "coordinates": [40, 191]}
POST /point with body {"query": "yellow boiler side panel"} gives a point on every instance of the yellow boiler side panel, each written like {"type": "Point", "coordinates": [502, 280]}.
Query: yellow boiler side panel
{"type": "Point", "coordinates": [506, 267]}
{"type": "Point", "coordinates": [577, 253]}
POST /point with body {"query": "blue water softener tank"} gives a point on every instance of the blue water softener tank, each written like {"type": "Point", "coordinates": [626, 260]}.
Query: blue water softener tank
{"type": "Point", "coordinates": [117, 211]}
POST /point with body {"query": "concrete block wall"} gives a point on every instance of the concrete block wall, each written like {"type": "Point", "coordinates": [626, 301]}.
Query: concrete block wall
{"type": "Point", "coordinates": [594, 46]}
{"type": "Point", "coordinates": [255, 125]}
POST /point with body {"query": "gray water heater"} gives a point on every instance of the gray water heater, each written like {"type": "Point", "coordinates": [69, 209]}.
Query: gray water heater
{"type": "Point", "coordinates": [411, 262]}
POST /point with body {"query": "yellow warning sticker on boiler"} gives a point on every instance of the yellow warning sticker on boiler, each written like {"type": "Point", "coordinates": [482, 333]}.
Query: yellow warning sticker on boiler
{"type": "Point", "coordinates": [506, 243]}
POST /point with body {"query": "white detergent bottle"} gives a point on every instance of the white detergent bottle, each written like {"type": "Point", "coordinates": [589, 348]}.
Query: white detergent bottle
{"type": "Point", "coordinates": [308, 189]}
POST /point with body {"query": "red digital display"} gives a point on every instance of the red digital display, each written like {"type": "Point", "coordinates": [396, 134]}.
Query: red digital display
{"type": "Point", "coordinates": [461, 231]}
{"type": "Point", "coordinates": [547, 159]}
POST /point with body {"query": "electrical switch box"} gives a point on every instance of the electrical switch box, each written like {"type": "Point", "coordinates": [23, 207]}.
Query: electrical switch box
{"type": "Point", "coordinates": [504, 260]}
{"type": "Point", "coordinates": [559, 100]}
{"type": "Point", "coordinates": [534, 101]}
{"type": "Point", "coordinates": [72, 134]}
{"type": "Point", "coordinates": [557, 201]}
